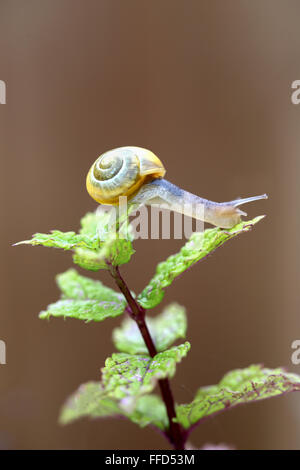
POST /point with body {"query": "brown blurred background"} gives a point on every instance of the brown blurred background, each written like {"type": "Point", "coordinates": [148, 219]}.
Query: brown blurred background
{"type": "Point", "coordinates": [206, 85]}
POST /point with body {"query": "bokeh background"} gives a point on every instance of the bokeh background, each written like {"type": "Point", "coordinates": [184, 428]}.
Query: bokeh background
{"type": "Point", "coordinates": [207, 86]}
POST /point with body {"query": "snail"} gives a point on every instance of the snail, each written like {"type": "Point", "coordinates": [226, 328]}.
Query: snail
{"type": "Point", "coordinates": [138, 174]}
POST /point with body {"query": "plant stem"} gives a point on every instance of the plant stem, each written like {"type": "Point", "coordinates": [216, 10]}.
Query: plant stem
{"type": "Point", "coordinates": [175, 432]}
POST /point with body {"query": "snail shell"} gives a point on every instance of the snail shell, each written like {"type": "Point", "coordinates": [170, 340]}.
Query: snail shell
{"type": "Point", "coordinates": [122, 172]}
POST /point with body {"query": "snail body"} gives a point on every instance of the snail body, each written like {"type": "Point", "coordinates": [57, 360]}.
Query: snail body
{"type": "Point", "coordinates": [138, 174]}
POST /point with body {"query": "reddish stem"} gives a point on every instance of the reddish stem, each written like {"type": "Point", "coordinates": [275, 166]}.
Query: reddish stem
{"type": "Point", "coordinates": [175, 432]}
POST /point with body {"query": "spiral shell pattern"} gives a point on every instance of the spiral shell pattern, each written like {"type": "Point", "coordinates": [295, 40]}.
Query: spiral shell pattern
{"type": "Point", "coordinates": [121, 172]}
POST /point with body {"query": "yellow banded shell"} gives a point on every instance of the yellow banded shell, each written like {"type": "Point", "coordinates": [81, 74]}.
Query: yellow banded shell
{"type": "Point", "coordinates": [121, 172]}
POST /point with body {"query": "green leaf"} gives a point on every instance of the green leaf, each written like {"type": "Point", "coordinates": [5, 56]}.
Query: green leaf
{"type": "Point", "coordinates": [91, 400]}
{"type": "Point", "coordinates": [125, 375]}
{"type": "Point", "coordinates": [90, 223]}
{"type": "Point", "coordinates": [115, 248]}
{"type": "Point", "coordinates": [89, 260]}
{"type": "Point", "coordinates": [150, 409]}
{"type": "Point", "coordinates": [116, 251]}
{"type": "Point", "coordinates": [84, 299]}
{"type": "Point", "coordinates": [166, 328]}
{"type": "Point", "coordinates": [199, 246]}
{"type": "Point", "coordinates": [64, 240]}
{"type": "Point", "coordinates": [239, 386]}
{"type": "Point", "coordinates": [95, 247]}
